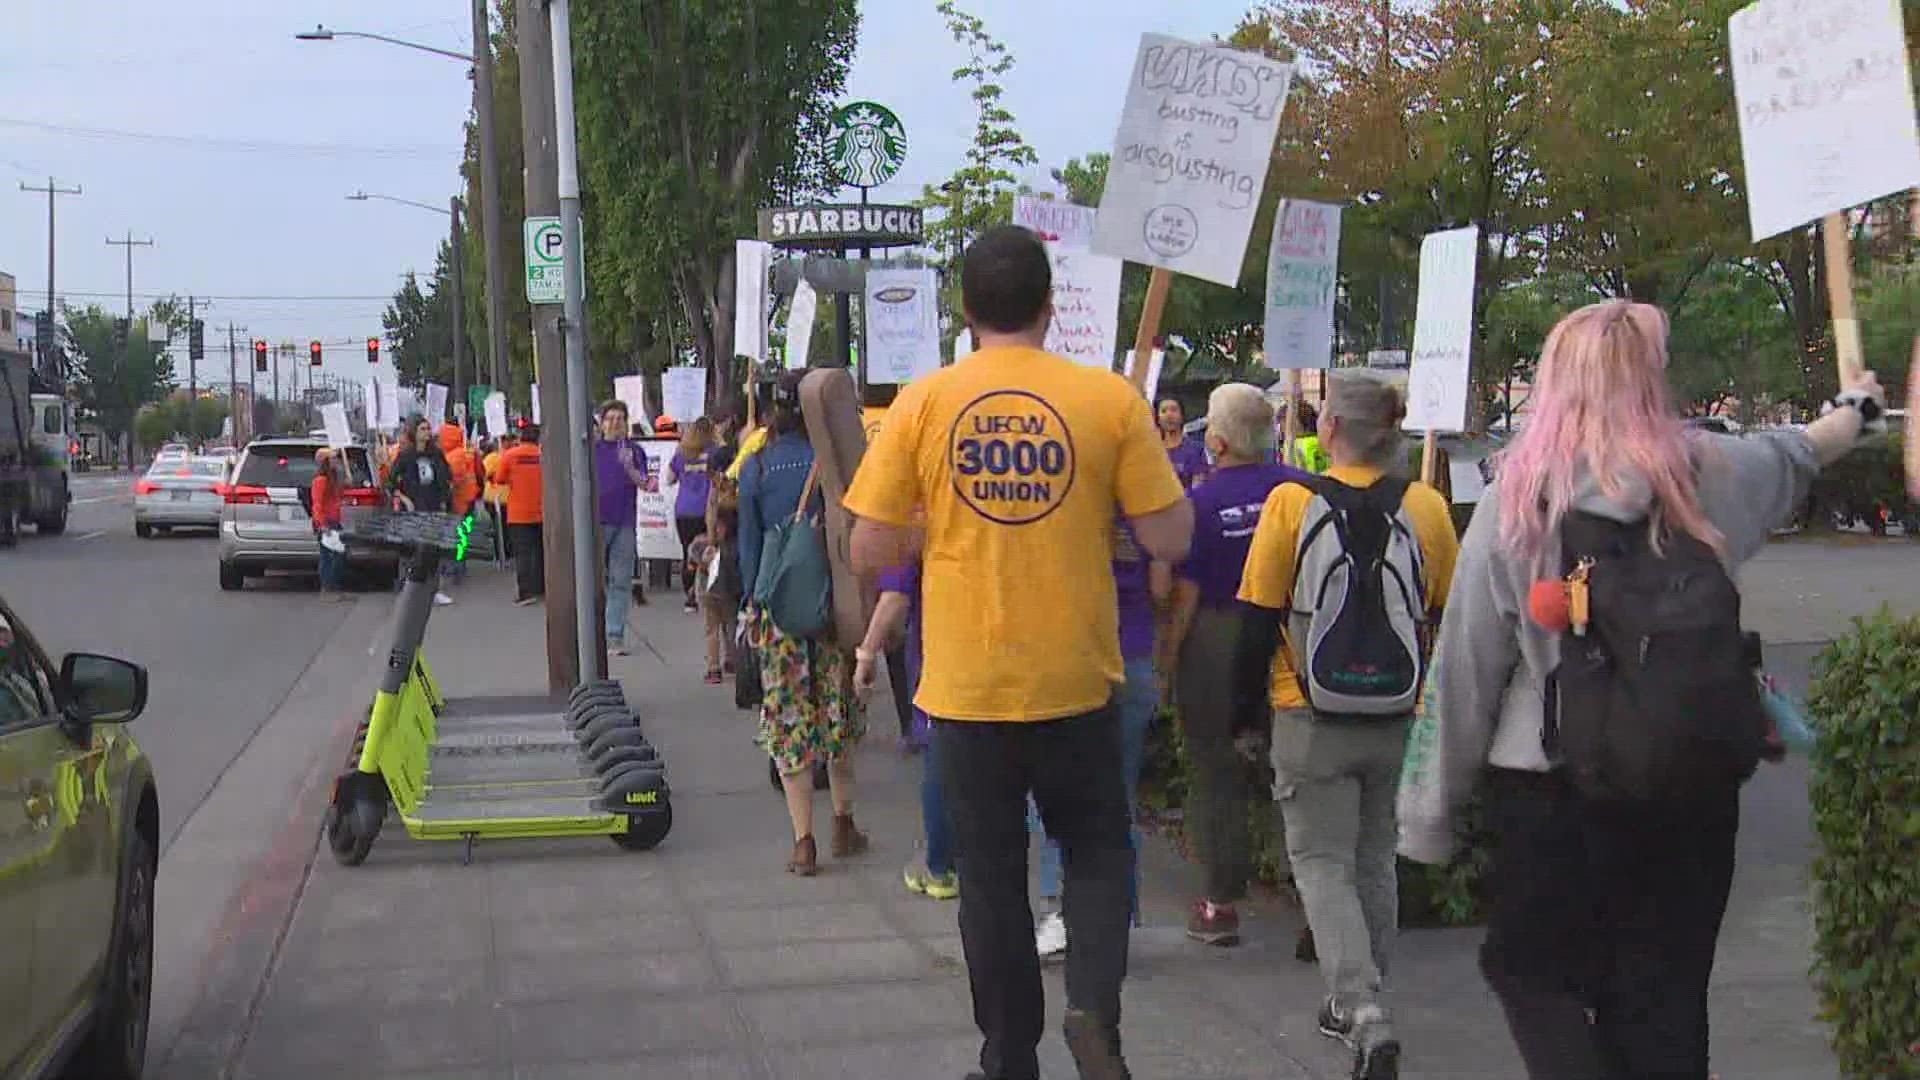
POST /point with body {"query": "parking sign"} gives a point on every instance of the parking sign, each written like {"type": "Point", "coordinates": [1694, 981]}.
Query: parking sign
{"type": "Point", "coordinates": [544, 247]}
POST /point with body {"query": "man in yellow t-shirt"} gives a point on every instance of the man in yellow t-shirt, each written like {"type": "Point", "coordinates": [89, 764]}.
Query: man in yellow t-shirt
{"type": "Point", "coordinates": [1337, 760]}
{"type": "Point", "coordinates": [1022, 461]}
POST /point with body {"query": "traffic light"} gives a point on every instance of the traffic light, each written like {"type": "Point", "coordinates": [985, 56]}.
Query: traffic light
{"type": "Point", "coordinates": [259, 355]}
{"type": "Point", "coordinates": [197, 340]}
{"type": "Point", "coordinates": [373, 350]}
{"type": "Point", "coordinates": [120, 327]}
{"type": "Point", "coordinates": [313, 353]}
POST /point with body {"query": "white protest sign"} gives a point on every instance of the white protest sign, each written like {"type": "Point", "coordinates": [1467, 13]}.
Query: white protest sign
{"type": "Point", "coordinates": [800, 325]}
{"type": "Point", "coordinates": [1826, 107]}
{"type": "Point", "coordinates": [963, 344]}
{"type": "Point", "coordinates": [1300, 284]}
{"type": "Point", "coordinates": [1190, 157]}
{"type": "Point", "coordinates": [684, 393]}
{"type": "Point", "coordinates": [631, 390]}
{"type": "Point", "coordinates": [752, 261]}
{"type": "Point", "coordinates": [495, 408]}
{"type": "Point", "coordinates": [903, 324]}
{"type": "Point", "coordinates": [1151, 385]}
{"type": "Point", "coordinates": [436, 402]}
{"type": "Point", "coordinates": [533, 399]}
{"type": "Point", "coordinates": [370, 405]}
{"type": "Point", "coordinates": [1086, 287]}
{"type": "Point", "coordinates": [1442, 332]}
{"type": "Point", "coordinates": [333, 417]}
{"type": "Point", "coordinates": [390, 416]}
{"type": "Point", "coordinates": [654, 509]}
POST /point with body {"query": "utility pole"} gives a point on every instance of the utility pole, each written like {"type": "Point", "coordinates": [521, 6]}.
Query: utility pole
{"type": "Point", "coordinates": [233, 386]}
{"type": "Point", "coordinates": [51, 190]}
{"type": "Point", "coordinates": [586, 593]}
{"type": "Point", "coordinates": [130, 243]}
{"type": "Point", "coordinates": [491, 236]}
{"type": "Point", "coordinates": [459, 320]}
{"type": "Point", "coordinates": [543, 198]}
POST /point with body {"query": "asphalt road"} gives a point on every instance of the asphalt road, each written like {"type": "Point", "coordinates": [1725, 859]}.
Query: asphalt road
{"type": "Point", "coordinates": [219, 663]}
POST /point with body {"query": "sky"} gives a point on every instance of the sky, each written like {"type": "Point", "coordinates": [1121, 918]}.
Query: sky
{"type": "Point", "coordinates": [206, 127]}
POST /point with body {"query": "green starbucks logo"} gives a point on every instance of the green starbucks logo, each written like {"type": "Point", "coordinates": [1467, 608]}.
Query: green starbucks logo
{"type": "Point", "coordinates": [868, 143]}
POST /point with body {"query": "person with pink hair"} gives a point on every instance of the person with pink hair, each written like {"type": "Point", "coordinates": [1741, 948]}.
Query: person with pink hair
{"type": "Point", "coordinates": [1606, 902]}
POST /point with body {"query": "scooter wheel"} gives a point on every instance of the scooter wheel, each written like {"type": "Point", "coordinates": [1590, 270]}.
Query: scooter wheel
{"type": "Point", "coordinates": [350, 836]}
{"type": "Point", "coordinates": [645, 831]}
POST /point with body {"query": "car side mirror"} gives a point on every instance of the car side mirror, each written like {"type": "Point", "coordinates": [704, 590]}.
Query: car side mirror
{"type": "Point", "coordinates": [102, 689]}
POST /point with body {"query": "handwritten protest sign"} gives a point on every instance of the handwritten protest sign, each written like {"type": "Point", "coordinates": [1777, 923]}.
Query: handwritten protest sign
{"type": "Point", "coordinates": [1190, 157]}
{"type": "Point", "coordinates": [903, 324]}
{"type": "Point", "coordinates": [1826, 107]}
{"type": "Point", "coordinates": [631, 391]}
{"type": "Point", "coordinates": [436, 402]}
{"type": "Point", "coordinates": [495, 408]}
{"type": "Point", "coordinates": [1442, 332]}
{"type": "Point", "coordinates": [800, 325]}
{"type": "Point", "coordinates": [655, 530]}
{"type": "Point", "coordinates": [1086, 286]}
{"type": "Point", "coordinates": [1300, 284]}
{"type": "Point", "coordinates": [333, 416]}
{"type": "Point", "coordinates": [684, 393]}
{"type": "Point", "coordinates": [752, 261]}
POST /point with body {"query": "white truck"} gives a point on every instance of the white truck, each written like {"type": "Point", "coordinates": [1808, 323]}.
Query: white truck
{"type": "Point", "coordinates": [36, 438]}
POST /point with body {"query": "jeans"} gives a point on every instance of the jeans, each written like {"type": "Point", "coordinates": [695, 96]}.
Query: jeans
{"type": "Point", "coordinates": [618, 550]}
{"type": "Point", "coordinates": [933, 814]}
{"type": "Point", "coordinates": [1220, 792]}
{"type": "Point", "coordinates": [1336, 782]}
{"type": "Point", "coordinates": [1135, 703]}
{"type": "Point", "coordinates": [1604, 922]}
{"type": "Point", "coordinates": [1074, 768]}
{"type": "Point", "coordinates": [333, 569]}
{"type": "Point", "coordinates": [529, 560]}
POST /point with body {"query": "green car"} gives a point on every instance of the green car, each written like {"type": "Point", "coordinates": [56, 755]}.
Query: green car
{"type": "Point", "coordinates": [79, 840]}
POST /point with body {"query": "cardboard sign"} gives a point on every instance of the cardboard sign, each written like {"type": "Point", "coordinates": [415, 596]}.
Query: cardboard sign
{"type": "Point", "coordinates": [632, 392]}
{"type": "Point", "coordinates": [496, 409]}
{"type": "Point", "coordinates": [752, 262]}
{"type": "Point", "coordinates": [333, 416]}
{"type": "Point", "coordinates": [1086, 287]}
{"type": "Point", "coordinates": [390, 415]}
{"type": "Point", "coordinates": [370, 406]}
{"type": "Point", "coordinates": [1826, 107]}
{"type": "Point", "coordinates": [658, 538]}
{"type": "Point", "coordinates": [684, 393]}
{"type": "Point", "coordinates": [1154, 363]}
{"type": "Point", "coordinates": [1442, 332]}
{"type": "Point", "coordinates": [533, 399]}
{"type": "Point", "coordinates": [963, 344]}
{"type": "Point", "coordinates": [436, 403]}
{"type": "Point", "coordinates": [1301, 264]}
{"type": "Point", "coordinates": [903, 324]}
{"type": "Point", "coordinates": [1190, 157]}
{"type": "Point", "coordinates": [800, 325]}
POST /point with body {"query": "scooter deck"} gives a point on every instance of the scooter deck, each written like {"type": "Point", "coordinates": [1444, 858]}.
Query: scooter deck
{"type": "Point", "coordinates": [505, 767]}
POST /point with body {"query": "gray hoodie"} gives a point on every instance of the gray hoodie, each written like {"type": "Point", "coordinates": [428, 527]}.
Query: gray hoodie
{"type": "Point", "coordinates": [1486, 698]}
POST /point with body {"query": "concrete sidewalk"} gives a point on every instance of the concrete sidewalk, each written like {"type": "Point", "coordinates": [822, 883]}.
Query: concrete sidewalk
{"type": "Point", "coordinates": [703, 959]}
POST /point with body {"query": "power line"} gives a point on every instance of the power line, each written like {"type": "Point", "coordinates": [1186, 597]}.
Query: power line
{"type": "Point", "coordinates": [121, 294]}
{"type": "Point", "coordinates": [246, 146]}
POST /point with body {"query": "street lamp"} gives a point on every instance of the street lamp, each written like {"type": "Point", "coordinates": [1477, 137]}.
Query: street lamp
{"type": "Point", "coordinates": [482, 60]}
{"type": "Point", "coordinates": [457, 269]}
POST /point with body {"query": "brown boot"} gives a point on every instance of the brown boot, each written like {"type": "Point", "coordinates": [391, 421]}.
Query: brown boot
{"type": "Point", "coordinates": [806, 858]}
{"type": "Point", "coordinates": [847, 840]}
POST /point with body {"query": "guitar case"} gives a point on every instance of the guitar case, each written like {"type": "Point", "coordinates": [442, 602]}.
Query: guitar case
{"type": "Point", "coordinates": [830, 407]}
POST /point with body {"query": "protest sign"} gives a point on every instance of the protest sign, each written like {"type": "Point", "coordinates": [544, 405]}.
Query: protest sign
{"type": "Point", "coordinates": [436, 403]}
{"type": "Point", "coordinates": [753, 260]}
{"type": "Point", "coordinates": [1826, 107]}
{"type": "Point", "coordinates": [1190, 157]}
{"type": "Point", "coordinates": [903, 324]}
{"type": "Point", "coordinates": [654, 519]}
{"type": "Point", "coordinates": [683, 391]}
{"type": "Point", "coordinates": [496, 409]}
{"type": "Point", "coordinates": [1442, 332]}
{"type": "Point", "coordinates": [1086, 286]}
{"type": "Point", "coordinates": [963, 344]}
{"type": "Point", "coordinates": [631, 390]}
{"type": "Point", "coordinates": [533, 398]}
{"type": "Point", "coordinates": [1150, 385]}
{"type": "Point", "coordinates": [333, 416]}
{"type": "Point", "coordinates": [800, 325]}
{"type": "Point", "coordinates": [390, 404]}
{"type": "Point", "coordinates": [370, 405]}
{"type": "Point", "coordinates": [1301, 263]}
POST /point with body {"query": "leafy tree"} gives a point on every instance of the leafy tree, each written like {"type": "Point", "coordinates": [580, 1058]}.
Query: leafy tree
{"type": "Point", "coordinates": [111, 383]}
{"type": "Point", "coordinates": [1888, 306]}
{"type": "Point", "coordinates": [196, 421]}
{"type": "Point", "coordinates": [419, 324]}
{"type": "Point", "coordinates": [1729, 348]}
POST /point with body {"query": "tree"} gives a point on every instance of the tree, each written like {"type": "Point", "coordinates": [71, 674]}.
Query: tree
{"type": "Point", "coordinates": [691, 117]}
{"type": "Point", "coordinates": [419, 324]}
{"type": "Point", "coordinates": [511, 158]}
{"type": "Point", "coordinates": [113, 383]}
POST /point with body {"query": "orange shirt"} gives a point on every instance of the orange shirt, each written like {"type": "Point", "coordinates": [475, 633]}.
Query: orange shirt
{"type": "Point", "coordinates": [519, 469]}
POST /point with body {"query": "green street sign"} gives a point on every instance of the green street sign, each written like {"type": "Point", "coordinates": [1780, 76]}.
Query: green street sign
{"type": "Point", "coordinates": [546, 280]}
{"type": "Point", "coordinates": [868, 144]}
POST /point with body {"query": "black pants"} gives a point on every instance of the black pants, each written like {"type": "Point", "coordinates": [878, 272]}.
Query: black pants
{"type": "Point", "coordinates": [902, 689]}
{"type": "Point", "coordinates": [1221, 794]}
{"type": "Point", "coordinates": [1604, 921]}
{"type": "Point", "coordinates": [529, 560]}
{"type": "Point", "coordinates": [1073, 769]}
{"type": "Point", "coordinates": [688, 528]}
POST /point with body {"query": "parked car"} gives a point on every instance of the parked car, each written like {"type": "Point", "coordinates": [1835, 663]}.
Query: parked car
{"type": "Point", "coordinates": [79, 843]}
{"type": "Point", "coordinates": [264, 522]}
{"type": "Point", "coordinates": [185, 494]}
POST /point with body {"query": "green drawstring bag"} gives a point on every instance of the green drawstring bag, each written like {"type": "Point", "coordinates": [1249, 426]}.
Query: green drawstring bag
{"type": "Point", "coordinates": [794, 585]}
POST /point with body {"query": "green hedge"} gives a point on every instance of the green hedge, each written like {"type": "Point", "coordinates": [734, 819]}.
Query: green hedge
{"type": "Point", "coordinates": [1866, 812]}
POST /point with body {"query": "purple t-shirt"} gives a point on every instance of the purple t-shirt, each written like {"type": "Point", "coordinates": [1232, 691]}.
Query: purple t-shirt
{"type": "Point", "coordinates": [614, 490]}
{"type": "Point", "coordinates": [1226, 510]}
{"type": "Point", "coordinates": [690, 499]}
{"type": "Point", "coordinates": [906, 580]}
{"type": "Point", "coordinates": [1134, 592]}
{"type": "Point", "coordinates": [1189, 460]}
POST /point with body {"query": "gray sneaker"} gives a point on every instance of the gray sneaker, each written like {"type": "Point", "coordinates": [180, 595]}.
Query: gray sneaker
{"type": "Point", "coordinates": [1376, 1053]}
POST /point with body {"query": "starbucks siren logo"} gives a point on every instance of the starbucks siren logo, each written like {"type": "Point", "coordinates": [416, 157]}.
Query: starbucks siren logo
{"type": "Point", "coordinates": [869, 144]}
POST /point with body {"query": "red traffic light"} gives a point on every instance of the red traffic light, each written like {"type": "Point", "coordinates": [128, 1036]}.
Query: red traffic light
{"type": "Point", "coordinates": [259, 355]}
{"type": "Point", "coordinates": [313, 353]}
{"type": "Point", "coordinates": [373, 350]}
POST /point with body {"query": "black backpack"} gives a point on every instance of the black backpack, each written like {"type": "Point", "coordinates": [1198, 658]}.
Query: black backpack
{"type": "Point", "coordinates": [1656, 702]}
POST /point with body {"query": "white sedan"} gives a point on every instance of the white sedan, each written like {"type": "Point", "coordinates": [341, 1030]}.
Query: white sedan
{"type": "Point", "coordinates": [183, 493]}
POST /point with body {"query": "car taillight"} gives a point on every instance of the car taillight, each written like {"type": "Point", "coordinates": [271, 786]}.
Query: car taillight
{"type": "Point", "coordinates": [241, 494]}
{"type": "Point", "coordinates": [360, 497]}
{"type": "Point", "coordinates": [144, 486]}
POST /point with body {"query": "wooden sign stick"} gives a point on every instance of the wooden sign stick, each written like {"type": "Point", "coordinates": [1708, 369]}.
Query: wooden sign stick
{"type": "Point", "coordinates": [1154, 305]}
{"type": "Point", "coordinates": [1429, 457]}
{"type": "Point", "coordinates": [1846, 329]}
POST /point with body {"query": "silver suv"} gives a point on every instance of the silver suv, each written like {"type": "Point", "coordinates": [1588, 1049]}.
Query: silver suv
{"type": "Point", "coordinates": [264, 523]}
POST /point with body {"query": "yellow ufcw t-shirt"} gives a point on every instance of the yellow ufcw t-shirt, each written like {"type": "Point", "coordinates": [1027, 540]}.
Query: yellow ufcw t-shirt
{"type": "Point", "coordinates": [1022, 460]}
{"type": "Point", "coordinates": [1267, 577]}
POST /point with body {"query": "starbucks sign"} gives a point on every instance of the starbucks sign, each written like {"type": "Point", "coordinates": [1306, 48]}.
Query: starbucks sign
{"type": "Point", "coordinates": [868, 144]}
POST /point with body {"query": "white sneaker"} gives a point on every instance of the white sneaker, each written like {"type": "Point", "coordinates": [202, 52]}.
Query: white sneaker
{"type": "Point", "coordinates": [441, 599]}
{"type": "Point", "coordinates": [1050, 937]}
